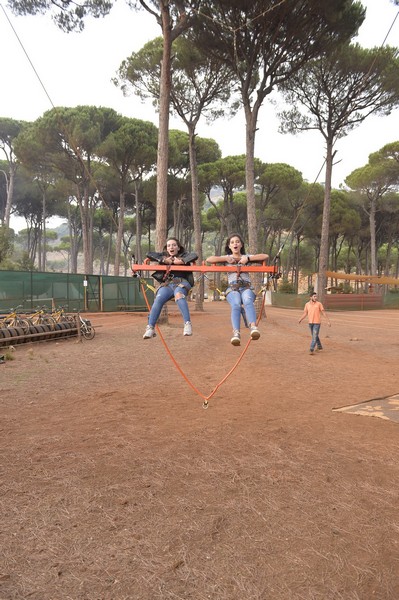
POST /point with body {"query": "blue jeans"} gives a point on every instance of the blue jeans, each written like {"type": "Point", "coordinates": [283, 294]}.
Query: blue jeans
{"type": "Point", "coordinates": [165, 293]}
{"type": "Point", "coordinates": [245, 297]}
{"type": "Point", "coordinates": [314, 332]}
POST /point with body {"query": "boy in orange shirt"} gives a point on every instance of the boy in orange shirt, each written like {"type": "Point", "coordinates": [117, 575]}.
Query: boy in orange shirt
{"type": "Point", "coordinates": [313, 310]}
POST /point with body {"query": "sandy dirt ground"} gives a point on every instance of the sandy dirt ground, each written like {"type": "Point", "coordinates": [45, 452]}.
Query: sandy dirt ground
{"type": "Point", "coordinates": [116, 483]}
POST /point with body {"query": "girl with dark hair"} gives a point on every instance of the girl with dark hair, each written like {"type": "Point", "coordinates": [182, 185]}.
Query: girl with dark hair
{"type": "Point", "coordinates": [240, 291]}
{"type": "Point", "coordinates": [175, 284]}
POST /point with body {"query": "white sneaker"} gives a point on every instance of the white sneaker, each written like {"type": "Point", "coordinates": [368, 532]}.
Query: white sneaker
{"type": "Point", "coordinates": [255, 333]}
{"type": "Point", "coordinates": [149, 332]}
{"type": "Point", "coordinates": [188, 329]}
{"type": "Point", "coordinates": [236, 339]}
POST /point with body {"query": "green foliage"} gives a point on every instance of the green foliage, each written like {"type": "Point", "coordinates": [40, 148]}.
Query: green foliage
{"type": "Point", "coordinates": [335, 93]}
{"type": "Point", "coordinates": [201, 84]}
{"type": "Point", "coordinates": [286, 287]}
{"type": "Point", "coordinates": [9, 265]}
{"type": "Point", "coordinates": [68, 16]}
{"type": "Point", "coordinates": [9, 130]}
{"type": "Point", "coordinates": [6, 244]}
{"type": "Point", "coordinates": [142, 71]}
{"type": "Point", "coordinates": [345, 288]}
{"type": "Point", "coordinates": [25, 263]}
{"type": "Point", "coordinates": [307, 259]}
{"type": "Point", "coordinates": [131, 148]}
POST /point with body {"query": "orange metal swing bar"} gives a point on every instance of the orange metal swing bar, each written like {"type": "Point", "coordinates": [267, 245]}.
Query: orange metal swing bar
{"type": "Point", "coordinates": [206, 268]}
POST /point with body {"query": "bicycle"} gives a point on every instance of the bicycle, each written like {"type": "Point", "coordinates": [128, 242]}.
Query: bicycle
{"type": "Point", "coordinates": [60, 316]}
{"type": "Point", "coordinates": [41, 317]}
{"type": "Point", "coordinates": [13, 319]}
{"type": "Point", "coordinates": [86, 328]}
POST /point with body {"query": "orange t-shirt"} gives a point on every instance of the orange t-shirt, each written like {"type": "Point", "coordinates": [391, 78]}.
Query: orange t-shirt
{"type": "Point", "coordinates": [313, 310]}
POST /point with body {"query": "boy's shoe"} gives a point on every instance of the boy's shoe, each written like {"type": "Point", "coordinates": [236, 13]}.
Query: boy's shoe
{"type": "Point", "coordinates": [188, 329]}
{"type": "Point", "coordinates": [311, 352]}
{"type": "Point", "coordinates": [149, 332]}
{"type": "Point", "coordinates": [255, 333]}
{"type": "Point", "coordinates": [236, 339]}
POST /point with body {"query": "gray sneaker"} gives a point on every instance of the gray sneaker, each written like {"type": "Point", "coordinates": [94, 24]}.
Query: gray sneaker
{"type": "Point", "coordinates": [149, 332]}
{"type": "Point", "coordinates": [188, 330]}
{"type": "Point", "coordinates": [236, 339]}
{"type": "Point", "coordinates": [255, 333]}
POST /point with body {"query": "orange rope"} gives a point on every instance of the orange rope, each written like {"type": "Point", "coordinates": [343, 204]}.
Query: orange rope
{"type": "Point", "coordinates": [182, 373]}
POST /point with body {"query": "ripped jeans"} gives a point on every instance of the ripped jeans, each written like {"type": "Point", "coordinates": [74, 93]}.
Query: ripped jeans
{"type": "Point", "coordinates": [245, 297]}
{"type": "Point", "coordinates": [165, 293]}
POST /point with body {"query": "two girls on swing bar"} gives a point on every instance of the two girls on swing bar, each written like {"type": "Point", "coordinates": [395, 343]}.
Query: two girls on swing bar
{"type": "Point", "coordinates": [175, 284]}
{"type": "Point", "coordinates": [240, 291]}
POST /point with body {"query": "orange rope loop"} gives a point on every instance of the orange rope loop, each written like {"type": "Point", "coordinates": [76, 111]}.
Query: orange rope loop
{"type": "Point", "coordinates": [182, 373]}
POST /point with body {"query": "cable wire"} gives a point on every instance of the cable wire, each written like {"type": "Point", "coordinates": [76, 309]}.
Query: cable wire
{"type": "Point", "coordinates": [27, 56]}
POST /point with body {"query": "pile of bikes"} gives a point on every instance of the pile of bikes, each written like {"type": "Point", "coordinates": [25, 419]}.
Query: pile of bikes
{"type": "Point", "coordinates": [42, 324]}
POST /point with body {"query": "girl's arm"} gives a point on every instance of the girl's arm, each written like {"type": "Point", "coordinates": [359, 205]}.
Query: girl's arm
{"type": "Point", "coordinates": [258, 257]}
{"type": "Point", "coordinates": [186, 258]}
{"type": "Point", "coordinates": [254, 258]}
{"type": "Point", "coordinates": [216, 259]}
{"type": "Point", "coordinates": [156, 257]}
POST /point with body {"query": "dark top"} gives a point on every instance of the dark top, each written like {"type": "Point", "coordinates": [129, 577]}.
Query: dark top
{"type": "Point", "coordinates": [163, 277]}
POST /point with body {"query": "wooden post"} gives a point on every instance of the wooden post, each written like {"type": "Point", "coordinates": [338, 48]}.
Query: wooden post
{"type": "Point", "coordinates": [77, 322]}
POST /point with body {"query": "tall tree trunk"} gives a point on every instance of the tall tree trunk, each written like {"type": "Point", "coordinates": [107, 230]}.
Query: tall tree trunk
{"type": "Point", "coordinates": [139, 226]}
{"type": "Point", "coordinates": [297, 265]}
{"type": "Point", "coordinates": [119, 234]}
{"type": "Point", "coordinates": [34, 245]}
{"type": "Point", "coordinates": [102, 256]}
{"type": "Point", "coordinates": [44, 210]}
{"type": "Point", "coordinates": [90, 211]}
{"type": "Point", "coordinates": [325, 226]}
{"type": "Point", "coordinates": [10, 193]}
{"type": "Point", "coordinates": [72, 267]}
{"type": "Point", "coordinates": [388, 257]}
{"type": "Point", "coordinates": [163, 130]}
{"type": "Point", "coordinates": [3, 208]}
{"type": "Point", "coordinates": [83, 203]}
{"type": "Point", "coordinates": [85, 233]}
{"type": "Point", "coordinates": [250, 130]}
{"type": "Point", "coordinates": [39, 248]}
{"type": "Point", "coordinates": [109, 247]}
{"type": "Point", "coordinates": [373, 246]}
{"type": "Point", "coordinates": [228, 214]}
{"type": "Point", "coordinates": [196, 212]}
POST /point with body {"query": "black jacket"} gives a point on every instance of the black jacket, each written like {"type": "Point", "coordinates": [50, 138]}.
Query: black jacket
{"type": "Point", "coordinates": [186, 257]}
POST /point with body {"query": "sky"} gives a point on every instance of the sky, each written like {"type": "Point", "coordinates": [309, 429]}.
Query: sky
{"type": "Point", "coordinates": [43, 67]}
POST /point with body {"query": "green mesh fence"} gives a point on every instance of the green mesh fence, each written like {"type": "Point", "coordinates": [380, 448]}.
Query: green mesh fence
{"type": "Point", "coordinates": [339, 301]}
{"type": "Point", "coordinates": [101, 293]}
{"type": "Point", "coordinates": [289, 300]}
{"type": "Point", "coordinates": [391, 300]}
{"type": "Point", "coordinates": [75, 292]}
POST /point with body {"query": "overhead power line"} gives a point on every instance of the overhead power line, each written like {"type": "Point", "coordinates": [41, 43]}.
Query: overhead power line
{"type": "Point", "coordinates": [27, 56]}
